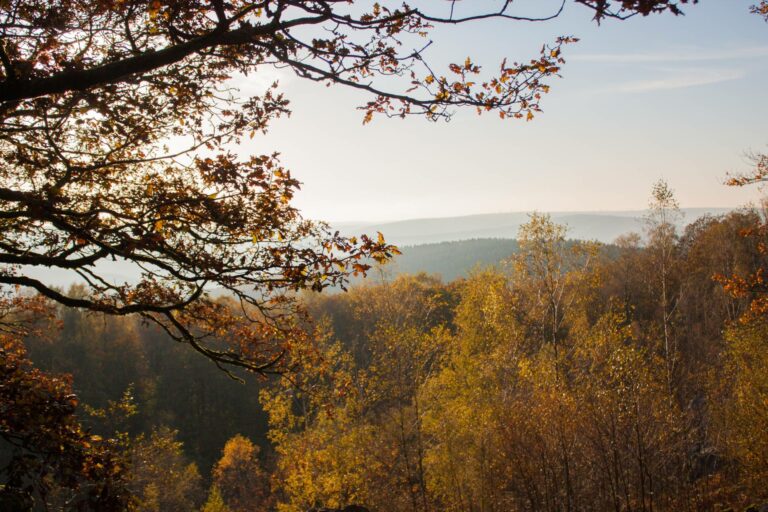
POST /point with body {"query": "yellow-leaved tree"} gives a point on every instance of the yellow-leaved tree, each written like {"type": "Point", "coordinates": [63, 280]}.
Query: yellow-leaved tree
{"type": "Point", "coordinates": [239, 479]}
{"type": "Point", "coordinates": [741, 405]}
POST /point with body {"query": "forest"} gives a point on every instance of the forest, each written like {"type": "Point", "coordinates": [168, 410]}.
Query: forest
{"type": "Point", "coordinates": [574, 376]}
{"type": "Point", "coordinates": [259, 360]}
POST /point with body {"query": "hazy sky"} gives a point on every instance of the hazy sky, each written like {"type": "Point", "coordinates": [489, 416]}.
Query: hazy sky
{"type": "Point", "coordinates": [683, 98]}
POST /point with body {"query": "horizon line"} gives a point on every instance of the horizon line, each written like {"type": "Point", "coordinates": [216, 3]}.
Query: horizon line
{"type": "Point", "coordinates": [509, 212]}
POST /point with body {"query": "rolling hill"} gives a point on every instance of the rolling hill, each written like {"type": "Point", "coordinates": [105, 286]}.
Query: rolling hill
{"type": "Point", "coordinates": [601, 226]}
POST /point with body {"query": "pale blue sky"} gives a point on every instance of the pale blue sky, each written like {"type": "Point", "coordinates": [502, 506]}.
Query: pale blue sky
{"type": "Point", "coordinates": [681, 98]}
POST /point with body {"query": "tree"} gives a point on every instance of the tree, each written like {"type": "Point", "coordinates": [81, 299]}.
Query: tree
{"type": "Point", "coordinates": [551, 272]}
{"type": "Point", "coordinates": [752, 285]}
{"type": "Point", "coordinates": [92, 91]}
{"type": "Point", "coordinates": [49, 459]}
{"type": "Point", "coordinates": [239, 478]}
{"type": "Point", "coordinates": [462, 400]}
{"type": "Point", "coordinates": [741, 414]}
{"type": "Point", "coordinates": [661, 231]}
{"type": "Point", "coordinates": [633, 436]}
{"type": "Point", "coordinates": [554, 276]}
{"type": "Point", "coordinates": [215, 502]}
{"type": "Point", "coordinates": [349, 428]}
{"type": "Point", "coordinates": [160, 477]}
{"type": "Point", "coordinates": [316, 433]}
{"type": "Point", "coordinates": [711, 246]}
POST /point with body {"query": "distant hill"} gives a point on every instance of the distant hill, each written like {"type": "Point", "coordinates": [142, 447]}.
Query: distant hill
{"type": "Point", "coordinates": [452, 247]}
{"type": "Point", "coordinates": [452, 260]}
{"type": "Point", "coordinates": [601, 226]}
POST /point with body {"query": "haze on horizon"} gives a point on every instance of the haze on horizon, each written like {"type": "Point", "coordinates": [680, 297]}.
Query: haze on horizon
{"type": "Point", "coordinates": [666, 97]}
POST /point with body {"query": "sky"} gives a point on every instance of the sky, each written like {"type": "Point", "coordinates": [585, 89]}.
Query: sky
{"type": "Point", "coordinates": [678, 98]}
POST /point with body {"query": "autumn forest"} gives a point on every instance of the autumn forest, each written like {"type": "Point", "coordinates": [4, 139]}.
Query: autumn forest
{"type": "Point", "coordinates": [261, 361]}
